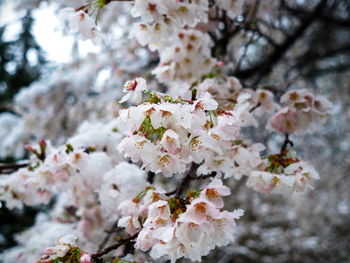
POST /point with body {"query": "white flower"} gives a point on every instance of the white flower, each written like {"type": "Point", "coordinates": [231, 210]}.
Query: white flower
{"type": "Point", "coordinates": [214, 191]}
{"type": "Point", "coordinates": [265, 100]}
{"type": "Point", "coordinates": [166, 163]}
{"type": "Point", "coordinates": [171, 141]}
{"type": "Point", "coordinates": [174, 231]}
{"type": "Point", "coordinates": [285, 121]}
{"type": "Point", "coordinates": [63, 245]}
{"type": "Point", "coordinates": [136, 147]}
{"type": "Point", "coordinates": [302, 112]}
{"type": "Point", "coordinates": [149, 10]}
{"type": "Point", "coordinates": [262, 181]}
{"type": "Point", "coordinates": [134, 89]}
{"type": "Point", "coordinates": [187, 59]}
{"type": "Point", "coordinates": [205, 102]}
{"type": "Point", "coordinates": [296, 177]}
{"type": "Point", "coordinates": [80, 22]}
{"type": "Point", "coordinates": [228, 126]}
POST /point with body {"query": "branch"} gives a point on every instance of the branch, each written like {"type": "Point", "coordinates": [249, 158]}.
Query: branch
{"type": "Point", "coordinates": [204, 176]}
{"type": "Point", "coordinates": [312, 55]}
{"type": "Point", "coordinates": [95, 257]}
{"type": "Point", "coordinates": [187, 179]}
{"type": "Point", "coordinates": [12, 167]}
{"type": "Point", "coordinates": [9, 109]}
{"type": "Point", "coordinates": [326, 17]}
{"type": "Point", "coordinates": [255, 107]}
{"type": "Point", "coordinates": [285, 143]}
{"type": "Point", "coordinates": [329, 70]}
{"type": "Point", "coordinates": [191, 175]}
{"type": "Point", "coordinates": [109, 233]}
{"type": "Point", "coordinates": [265, 67]}
{"type": "Point", "coordinates": [307, 63]}
{"type": "Point", "coordinates": [150, 177]}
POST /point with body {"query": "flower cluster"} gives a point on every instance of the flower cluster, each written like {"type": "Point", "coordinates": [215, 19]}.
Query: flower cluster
{"type": "Point", "coordinates": [302, 112]}
{"type": "Point", "coordinates": [38, 183]}
{"type": "Point", "coordinates": [32, 242]}
{"type": "Point", "coordinates": [196, 133]}
{"type": "Point", "coordinates": [240, 159]}
{"type": "Point", "coordinates": [227, 90]}
{"type": "Point", "coordinates": [167, 134]}
{"type": "Point", "coordinates": [80, 162]}
{"type": "Point", "coordinates": [162, 20]}
{"type": "Point", "coordinates": [187, 59]}
{"type": "Point", "coordinates": [80, 22]}
{"type": "Point", "coordinates": [177, 227]}
{"type": "Point", "coordinates": [65, 250]}
{"type": "Point", "coordinates": [282, 173]}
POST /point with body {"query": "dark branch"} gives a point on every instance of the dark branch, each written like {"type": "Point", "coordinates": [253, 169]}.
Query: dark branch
{"type": "Point", "coordinates": [95, 257]}
{"type": "Point", "coordinates": [265, 66]}
{"type": "Point", "coordinates": [109, 233]}
{"type": "Point", "coordinates": [255, 107]}
{"type": "Point", "coordinates": [150, 177]}
{"type": "Point", "coordinates": [12, 167]}
{"type": "Point", "coordinates": [285, 144]}
{"type": "Point", "coordinates": [191, 175]}
{"type": "Point", "coordinates": [187, 179]}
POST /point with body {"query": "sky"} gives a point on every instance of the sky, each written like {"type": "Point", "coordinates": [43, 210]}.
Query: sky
{"type": "Point", "coordinates": [48, 31]}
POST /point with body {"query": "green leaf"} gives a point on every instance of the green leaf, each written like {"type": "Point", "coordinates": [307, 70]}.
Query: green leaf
{"type": "Point", "coordinates": [69, 148]}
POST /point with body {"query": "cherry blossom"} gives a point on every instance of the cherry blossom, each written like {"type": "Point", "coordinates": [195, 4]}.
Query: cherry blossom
{"type": "Point", "coordinates": [134, 90]}
{"type": "Point", "coordinates": [144, 170]}
{"type": "Point", "coordinates": [80, 22]}
{"type": "Point", "coordinates": [283, 174]}
{"type": "Point", "coordinates": [302, 112]}
{"type": "Point", "coordinates": [172, 229]}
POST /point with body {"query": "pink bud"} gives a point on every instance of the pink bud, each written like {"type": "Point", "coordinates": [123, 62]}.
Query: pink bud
{"type": "Point", "coordinates": [220, 63]}
{"type": "Point", "coordinates": [30, 148]}
{"type": "Point", "coordinates": [85, 258]}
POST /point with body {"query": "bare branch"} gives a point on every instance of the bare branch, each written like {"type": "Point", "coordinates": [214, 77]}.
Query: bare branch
{"type": "Point", "coordinates": [95, 257]}
{"type": "Point", "coordinates": [265, 66]}
{"type": "Point", "coordinates": [12, 167]}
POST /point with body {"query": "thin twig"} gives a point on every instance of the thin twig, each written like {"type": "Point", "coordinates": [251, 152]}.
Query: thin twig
{"type": "Point", "coordinates": [265, 66]}
{"type": "Point", "coordinates": [255, 107]}
{"type": "Point", "coordinates": [110, 232]}
{"type": "Point", "coordinates": [171, 192]}
{"type": "Point", "coordinates": [285, 144]}
{"type": "Point", "coordinates": [187, 179]}
{"type": "Point", "coordinates": [150, 177]}
{"type": "Point", "coordinates": [95, 257]}
{"type": "Point", "coordinates": [191, 175]}
{"type": "Point", "coordinates": [204, 176]}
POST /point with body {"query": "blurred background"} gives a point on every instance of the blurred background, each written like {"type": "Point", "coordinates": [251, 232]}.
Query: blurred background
{"type": "Point", "coordinates": [42, 69]}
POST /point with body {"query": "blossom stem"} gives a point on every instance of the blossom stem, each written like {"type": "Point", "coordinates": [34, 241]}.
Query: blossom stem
{"type": "Point", "coordinates": [285, 143]}
{"type": "Point", "coordinates": [255, 107]}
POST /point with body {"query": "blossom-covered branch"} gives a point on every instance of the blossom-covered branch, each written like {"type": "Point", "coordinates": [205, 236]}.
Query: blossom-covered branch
{"type": "Point", "coordinates": [138, 161]}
